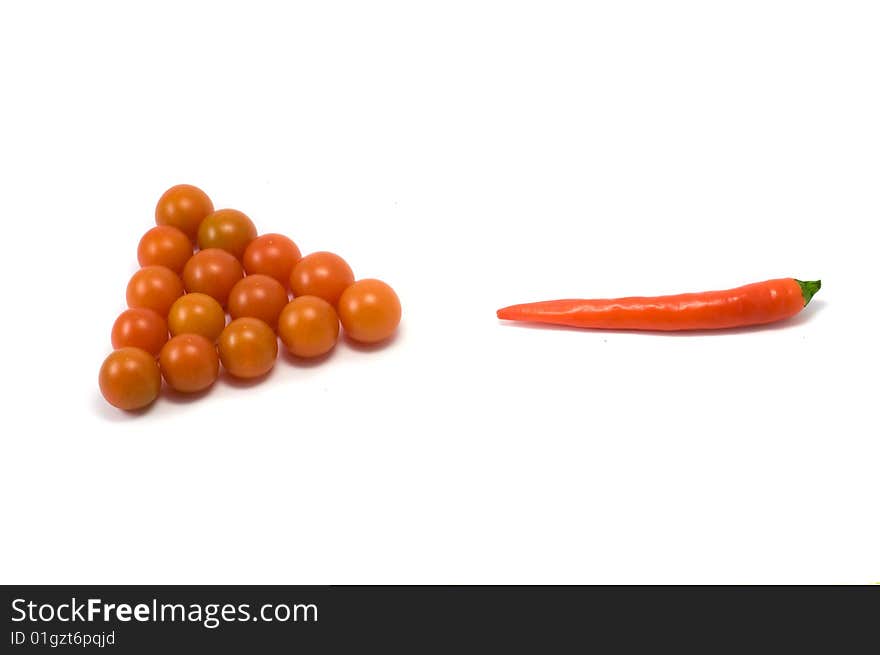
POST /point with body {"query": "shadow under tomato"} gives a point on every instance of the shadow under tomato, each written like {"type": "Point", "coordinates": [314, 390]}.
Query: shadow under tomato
{"type": "Point", "coordinates": [372, 347]}
{"type": "Point", "coordinates": [802, 317]}
{"type": "Point", "coordinates": [244, 383]}
{"type": "Point", "coordinates": [306, 362]}
{"type": "Point", "coordinates": [181, 398]}
{"type": "Point", "coordinates": [115, 415]}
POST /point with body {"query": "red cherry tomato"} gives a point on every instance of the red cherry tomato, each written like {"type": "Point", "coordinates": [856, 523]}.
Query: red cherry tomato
{"type": "Point", "coordinates": [369, 311]}
{"type": "Point", "coordinates": [189, 363]}
{"type": "Point", "coordinates": [227, 229]}
{"type": "Point", "coordinates": [248, 348]}
{"type": "Point", "coordinates": [154, 287]}
{"type": "Point", "coordinates": [258, 296]}
{"type": "Point", "coordinates": [213, 272]}
{"type": "Point", "coordinates": [197, 313]}
{"type": "Point", "coordinates": [184, 207]}
{"type": "Point", "coordinates": [129, 378]}
{"type": "Point", "coordinates": [165, 246]}
{"type": "Point", "coordinates": [140, 328]}
{"type": "Point", "coordinates": [308, 326]}
{"type": "Point", "coordinates": [321, 274]}
{"type": "Point", "coordinates": [272, 254]}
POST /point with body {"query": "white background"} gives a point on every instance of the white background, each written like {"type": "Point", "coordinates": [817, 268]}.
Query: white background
{"type": "Point", "coordinates": [473, 155]}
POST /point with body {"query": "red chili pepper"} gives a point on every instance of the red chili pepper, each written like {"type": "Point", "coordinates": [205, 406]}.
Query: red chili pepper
{"type": "Point", "coordinates": [752, 304]}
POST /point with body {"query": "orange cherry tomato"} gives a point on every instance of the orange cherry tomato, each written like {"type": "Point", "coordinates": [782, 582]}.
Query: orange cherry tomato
{"type": "Point", "coordinates": [165, 246]}
{"type": "Point", "coordinates": [213, 272]}
{"type": "Point", "coordinates": [129, 378]}
{"type": "Point", "coordinates": [258, 296]}
{"type": "Point", "coordinates": [271, 254]}
{"type": "Point", "coordinates": [308, 326]}
{"type": "Point", "coordinates": [140, 328]}
{"type": "Point", "coordinates": [248, 348]}
{"type": "Point", "coordinates": [197, 313]}
{"type": "Point", "coordinates": [369, 311]}
{"type": "Point", "coordinates": [154, 287]}
{"type": "Point", "coordinates": [189, 363]}
{"type": "Point", "coordinates": [321, 274]}
{"type": "Point", "coordinates": [227, 229]}
{"type": "Point", "coordinates": [184, 207]}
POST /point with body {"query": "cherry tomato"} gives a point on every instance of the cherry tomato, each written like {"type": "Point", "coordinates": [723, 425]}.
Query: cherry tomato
{"type": "Point", "coordinates": [258, 296]}
{"type": "Point", "coordinates": [165, 246]}
{"type": "Point", "coordinates": [214, 272]}
{"type": "Point", "coordinates": [129, 378]}
{"type": "Point", "coordinates": [197, 313]}
{"type": "Point", "coordinates": [248, 348]}
{"type": "Point", "coordinates": [227, 229]}
{"type": "Point", "coordinates": [271, 254]}
{"type": "Point", "coordinates": [184, 207]}
{"type": "Point", "coordinates": [154, 287]}
{"type": "Point", "coordinates": [369, 311]}
{"type": "Point", "coordinates": [189, 363]}
{"type": "Point", "coordinates": [321, 274]}
{"type": "Point", "coordinates": [308, 326]}
{"type": "Point", "coordinates": [140, 328]}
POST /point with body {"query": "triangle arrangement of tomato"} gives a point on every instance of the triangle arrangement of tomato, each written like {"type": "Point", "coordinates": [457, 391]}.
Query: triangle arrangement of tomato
{"type": "Point", "coordinates": [211, 293]}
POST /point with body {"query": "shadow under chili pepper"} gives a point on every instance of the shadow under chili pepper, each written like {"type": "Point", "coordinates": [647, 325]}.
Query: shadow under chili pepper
{"type": "Point", "coordinates": [804, 316]}
{"type": "Point", "coordinates": [800, 318]}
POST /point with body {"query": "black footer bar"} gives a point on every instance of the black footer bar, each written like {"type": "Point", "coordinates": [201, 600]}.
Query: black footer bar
{"type": "Point", "coordinates": [414, 619]}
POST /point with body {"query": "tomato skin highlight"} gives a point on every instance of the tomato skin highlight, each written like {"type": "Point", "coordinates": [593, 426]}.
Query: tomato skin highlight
{"type": "Point", "coordinates": [227, 229]}
{"type": "Point", "coordinates": [197, 313]}
{"type": "Point", "coordinates": [248, 348]}
{"type": "Point", "coordinates": [751, 304]}
{"type": "Point", "coordinates": [189, 363]}
{"type": "Point", "coordinates": [154, 287]}
{"type": "Point", "coordinates": [369, 310]}
{"type": "Point", "coordinates": [213, 272]}
{"type": "Point", "coordinates": [322, 274]}
{"type": "Point", "coordinates": [165, 246]}
{"type": "Point", "coordinates": [308, 326]}
{"type": "Point", "coordinates": [272, 254]}
{"type": "Point", "coordinates": [184, 206]}
{"type": "Point", "coordinates": [140, 328]}
{"type": "Point", "coordinates": [129, 378]}
{"type": "Point", "coordinates": [258, 296]}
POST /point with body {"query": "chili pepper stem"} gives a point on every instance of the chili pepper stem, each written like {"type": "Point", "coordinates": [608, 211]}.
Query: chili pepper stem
{"type": "Point", "coordinates": [809, 289]}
